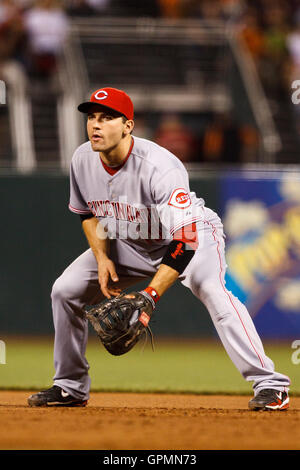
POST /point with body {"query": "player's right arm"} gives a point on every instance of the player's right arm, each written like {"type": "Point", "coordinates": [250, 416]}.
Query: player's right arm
{"type": "Point", "coordinates": [99, 243]}
{"type": "Point", "coordinates": [93, 230]}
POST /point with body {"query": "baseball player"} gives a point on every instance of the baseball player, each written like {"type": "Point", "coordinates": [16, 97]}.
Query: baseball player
{"type": "Point", "coordinates": [142, 222]}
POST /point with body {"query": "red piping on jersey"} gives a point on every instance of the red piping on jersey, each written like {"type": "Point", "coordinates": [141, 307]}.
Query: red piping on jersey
{"type": "Point", "coordinates": [79, 211]}
{"type": "Point", "coordinates": [227, 293]}
{"type": "Point", "coordinates": [115, 169]}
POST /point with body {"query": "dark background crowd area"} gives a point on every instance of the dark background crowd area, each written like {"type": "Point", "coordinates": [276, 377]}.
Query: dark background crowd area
{"type": "Point", "coordinates": [269, 28]}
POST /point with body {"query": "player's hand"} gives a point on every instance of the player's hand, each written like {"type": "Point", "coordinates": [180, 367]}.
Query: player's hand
{"type": "Point", "coordinates": [106, 274]}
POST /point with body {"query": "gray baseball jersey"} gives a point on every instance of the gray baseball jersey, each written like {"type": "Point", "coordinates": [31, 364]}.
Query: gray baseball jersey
{"type": "Point", "coordinates": [142, 205]}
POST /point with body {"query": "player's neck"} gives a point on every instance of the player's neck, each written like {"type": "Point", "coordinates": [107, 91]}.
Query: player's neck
{"type": "Point", "coordinates": [116, 156]}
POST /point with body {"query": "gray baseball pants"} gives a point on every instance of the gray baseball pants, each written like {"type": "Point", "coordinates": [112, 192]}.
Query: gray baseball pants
{"type": "Point", "coordinates": [78, 285]}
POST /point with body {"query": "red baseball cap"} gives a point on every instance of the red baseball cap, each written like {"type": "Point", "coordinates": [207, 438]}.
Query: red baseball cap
{"type": "Point", "coordinates": [111, 98]}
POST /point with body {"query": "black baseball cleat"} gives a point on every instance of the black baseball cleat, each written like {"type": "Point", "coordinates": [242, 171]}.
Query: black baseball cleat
{"type": "Point", "coordinates": [269, 399]}
{"type": "Point", "coordinates": [54, 396]}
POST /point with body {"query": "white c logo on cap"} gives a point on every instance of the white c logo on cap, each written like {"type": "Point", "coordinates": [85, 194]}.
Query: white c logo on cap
{"type": "Point", "coordinates": [103, 93]}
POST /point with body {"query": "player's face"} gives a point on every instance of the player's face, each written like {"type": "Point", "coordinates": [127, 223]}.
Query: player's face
{"type": "Point", "coordinates": [105, 129]}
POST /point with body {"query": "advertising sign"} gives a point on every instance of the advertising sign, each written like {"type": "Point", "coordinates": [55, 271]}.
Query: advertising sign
{"type": "Point", "coordinates": [261, 217]}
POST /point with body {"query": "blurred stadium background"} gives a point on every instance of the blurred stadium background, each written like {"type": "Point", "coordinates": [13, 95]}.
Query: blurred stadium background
{"type": "Point", "coordinates": [215, 82]}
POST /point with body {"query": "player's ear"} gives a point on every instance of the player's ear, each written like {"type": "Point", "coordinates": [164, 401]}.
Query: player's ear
{"type": "Point", "coordinates": [128, 127]}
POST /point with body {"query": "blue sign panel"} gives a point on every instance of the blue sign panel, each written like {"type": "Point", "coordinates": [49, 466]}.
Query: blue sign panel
{"type": "Point", "coordinates": [261, 217]}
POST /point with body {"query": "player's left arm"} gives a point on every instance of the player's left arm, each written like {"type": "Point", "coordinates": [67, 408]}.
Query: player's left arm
{"type": "Point", "coordinates": [176, 211]}
{"type": "Point", "coordinates": [163, 279]}
{"type": "Point", "coordinates": [177, 257]}
{"type": "Point", "coordinates": [165, 276]}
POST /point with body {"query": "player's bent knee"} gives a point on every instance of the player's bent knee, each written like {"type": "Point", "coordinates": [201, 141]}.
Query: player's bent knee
{"type": "Point", "coordinates": [209, 288]}
{"type": "Point", "coordinates": [213, 296]}
{"type": "Point", "coordinates": [63, 290]}
{"type": "Point", "coordinates": [203, 290]}
{"type": "Point", "coordinates": [57, 292]}
{"type": "Point", "coordinates": [218, 301]}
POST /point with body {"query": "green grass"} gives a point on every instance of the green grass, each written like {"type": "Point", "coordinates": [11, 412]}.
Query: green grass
{"type": "Point", "coordinates": [175, 366]}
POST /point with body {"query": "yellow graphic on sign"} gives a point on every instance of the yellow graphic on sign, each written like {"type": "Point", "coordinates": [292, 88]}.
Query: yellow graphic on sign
{"type": "Point", "coordinates": [268, 255]}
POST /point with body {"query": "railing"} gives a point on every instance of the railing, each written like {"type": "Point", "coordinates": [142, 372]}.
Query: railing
{"type": "Point", "coordinates": [204, 83]}
{"type": "Point", "coordinates": [74, 85]}
{"type": "Point", "coordinates": [19, 117]}
{"type": "Point", "coordinates": [270, 138]}
{"type": "Point", "coordinates": [191, 65]}
{"type": "Point", "coordinates": [182, 90]}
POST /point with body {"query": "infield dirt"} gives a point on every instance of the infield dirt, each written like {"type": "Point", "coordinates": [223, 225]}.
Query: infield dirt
{"type": "Point", "coordinates": [125, 421]}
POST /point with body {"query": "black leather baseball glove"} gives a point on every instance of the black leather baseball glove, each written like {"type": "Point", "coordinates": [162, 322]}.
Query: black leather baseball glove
{"type": "Point", "coordinates": [120, 322]}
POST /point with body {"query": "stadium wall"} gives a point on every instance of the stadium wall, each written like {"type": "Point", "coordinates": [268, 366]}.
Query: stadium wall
{"type": "Point", "coordinates": [40, 237]}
